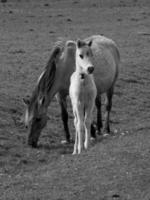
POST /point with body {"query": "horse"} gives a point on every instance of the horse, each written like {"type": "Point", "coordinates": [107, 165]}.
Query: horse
{"type": "Point", "coordinates": [55, 80]}
{"type": "Point", "coordinates": [82, 92]}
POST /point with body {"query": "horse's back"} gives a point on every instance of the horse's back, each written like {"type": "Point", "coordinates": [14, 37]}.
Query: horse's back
{"type": "Point", "coordinates": [106, 61]}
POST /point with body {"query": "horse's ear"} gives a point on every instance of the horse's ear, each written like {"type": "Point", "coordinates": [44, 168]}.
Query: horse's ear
{"type": "Point", "coordinates": [48, 118]}
{"type": "Point", "coordinates": [57, 52]}
{"type": "Point", "coordinates": [80, 43]}
{"type": "Point", "coordinates": [41, 100]}
{"type": "Point", "coordinates": [90, 43]}
{"type": "Point", "coordinates": [26, 101]}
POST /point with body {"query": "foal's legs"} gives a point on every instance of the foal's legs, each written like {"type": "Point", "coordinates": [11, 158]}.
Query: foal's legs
{"type": "Point", "coordinates": [109, 96]}
{"type": "Point", "coordinates": [87, 125]}
{"type": "Point", "coordinates": [79, 127]}
{"type": "Point", "coordinates": [76, 134]}
{"type": "Point", "coordinates": [64, 114]}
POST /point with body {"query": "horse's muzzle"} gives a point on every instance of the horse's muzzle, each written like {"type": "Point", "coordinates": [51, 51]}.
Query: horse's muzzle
{"type": "Point", "coordinates": [90, 69]}
{"type": "Point", "coordinates": [26, 126]}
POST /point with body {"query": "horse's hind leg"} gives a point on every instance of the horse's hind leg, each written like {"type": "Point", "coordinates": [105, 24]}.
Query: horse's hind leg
{"type": "Point", "coordinates": [64, 115]}
{"type": "Point", "coordinates": [99, 113]}
{"type": "Point", "coordinates": [99, 117]}
{"type": "Point", "coordinates": [109, 96]}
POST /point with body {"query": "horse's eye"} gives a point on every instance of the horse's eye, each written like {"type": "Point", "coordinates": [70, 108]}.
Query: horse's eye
{"type": "Point", "coordinates": [87, 53]}
{"type": "Point", "coordinates": [81, 56]}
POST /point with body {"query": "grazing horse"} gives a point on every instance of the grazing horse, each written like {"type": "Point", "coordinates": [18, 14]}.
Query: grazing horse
{"type": "Point", "coordinates": [82, 92]}
{"type": "Point", "coordinates": [55, 79]}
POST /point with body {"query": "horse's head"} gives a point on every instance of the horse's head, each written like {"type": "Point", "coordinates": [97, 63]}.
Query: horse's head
{"type": "Point", "coordinates": [35, 109]}
{"type": "Point", "coordinates": [84, 57]}
{"type": "Point", "coordinates": [35, 118]}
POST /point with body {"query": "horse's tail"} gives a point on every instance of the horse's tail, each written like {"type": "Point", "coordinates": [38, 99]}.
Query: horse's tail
{"type": "Point", "coordinates": [118, 53]}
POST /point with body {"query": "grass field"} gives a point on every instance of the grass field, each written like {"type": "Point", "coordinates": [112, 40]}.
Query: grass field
{"type": "Point", "coordinates": [114, 168]}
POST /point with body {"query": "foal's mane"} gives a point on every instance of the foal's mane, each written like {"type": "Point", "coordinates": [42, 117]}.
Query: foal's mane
{"type": "Point", "coordinates": [47, 78]}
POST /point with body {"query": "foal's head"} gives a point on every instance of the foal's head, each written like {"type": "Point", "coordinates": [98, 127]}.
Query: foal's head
{"type": "Point", "coordinates": [84, 57]}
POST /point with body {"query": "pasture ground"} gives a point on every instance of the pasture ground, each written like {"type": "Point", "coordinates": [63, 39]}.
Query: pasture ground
{"type": "Point", "coordinates": [114, 168]}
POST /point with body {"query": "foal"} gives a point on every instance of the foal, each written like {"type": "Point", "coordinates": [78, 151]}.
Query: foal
{"type": "Point", "coordinates": [82, 93]}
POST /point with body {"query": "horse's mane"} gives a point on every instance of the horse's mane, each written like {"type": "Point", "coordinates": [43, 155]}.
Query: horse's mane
{"type": "Point", "coordinates": [47, 78]}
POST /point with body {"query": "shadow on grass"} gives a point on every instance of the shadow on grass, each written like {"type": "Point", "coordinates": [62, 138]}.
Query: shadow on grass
{"type": "Point", "coordinates": [61, 148]}
{"type": "Point", "coordinates": [67, 148]}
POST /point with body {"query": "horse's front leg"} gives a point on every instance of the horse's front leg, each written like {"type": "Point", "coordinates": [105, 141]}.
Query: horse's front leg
{"type": "Point", "coordinates": [64, 115]}
{"type": "Point", "coordinates": [109, 96]}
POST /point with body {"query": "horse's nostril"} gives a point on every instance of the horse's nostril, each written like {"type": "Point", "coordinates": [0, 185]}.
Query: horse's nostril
{"type": "Point", "coordinates": [90, 70]}
{"type": "Point", "coordinates": [26, 126]}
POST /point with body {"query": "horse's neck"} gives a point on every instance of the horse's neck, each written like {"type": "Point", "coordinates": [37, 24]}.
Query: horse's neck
{"type": "Point", "coordinates": [79, 73]}
{"type": "Point", "coordinates": [85, 78]}
{"type": "Point", "coordinates": [78, 68]}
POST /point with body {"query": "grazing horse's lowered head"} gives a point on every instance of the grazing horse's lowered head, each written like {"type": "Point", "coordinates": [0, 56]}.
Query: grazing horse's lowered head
{"type": "Point", "coordinates": [36, 106]}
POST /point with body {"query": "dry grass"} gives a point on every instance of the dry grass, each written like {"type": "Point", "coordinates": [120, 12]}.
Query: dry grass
{"type": "Point", "coordinates": [117, 167]}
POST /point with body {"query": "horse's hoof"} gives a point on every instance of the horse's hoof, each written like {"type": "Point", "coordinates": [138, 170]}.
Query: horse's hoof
{"type": "Point", "coordinates": [32, 144]}
{"type": "Point", "coordinates": [92, 138]}
{"type": "Point", "coordinates": [105, 134]}
{"type": "Point", "coordinates": [65, 142]}
{"type": "Point", "coordinates": [98, 132]}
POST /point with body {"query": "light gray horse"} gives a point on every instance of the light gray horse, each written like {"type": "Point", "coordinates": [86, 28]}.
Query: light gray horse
{"type": "Point", "coordinates": [55, 79]}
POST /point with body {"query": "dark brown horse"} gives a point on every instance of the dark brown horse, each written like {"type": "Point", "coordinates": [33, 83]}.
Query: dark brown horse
{"type": "Point", "coordinates": [55, 79]}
